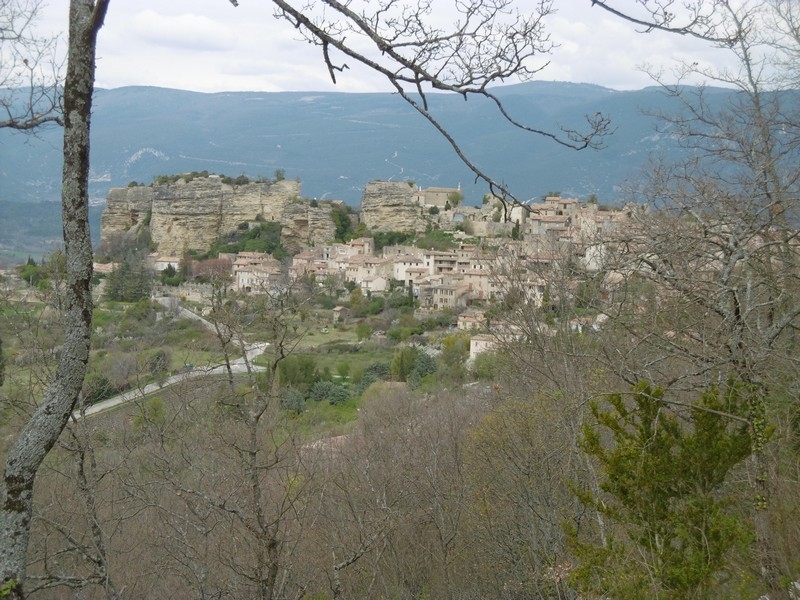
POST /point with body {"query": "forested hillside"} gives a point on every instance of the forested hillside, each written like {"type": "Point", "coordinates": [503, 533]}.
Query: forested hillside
{"type": "Point", "coordinates": [615, 413]}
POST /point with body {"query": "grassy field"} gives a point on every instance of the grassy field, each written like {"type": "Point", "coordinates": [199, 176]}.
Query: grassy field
{"type": "Point", "coordinates": [322, 334]}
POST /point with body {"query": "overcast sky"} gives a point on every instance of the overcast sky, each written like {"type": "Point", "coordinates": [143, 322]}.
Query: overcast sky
{"type": "Point", "coordinates": [210, 46]}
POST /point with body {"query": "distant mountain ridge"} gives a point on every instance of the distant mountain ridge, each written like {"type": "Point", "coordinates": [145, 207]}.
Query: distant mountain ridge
{"type": "Point", "coordinates": [333, 142]}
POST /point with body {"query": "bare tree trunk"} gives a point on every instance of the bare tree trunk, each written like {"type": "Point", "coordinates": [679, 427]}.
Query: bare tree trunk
{"type": "Point", "coordinates": [762, 527]}
{"type": "Point", "coordinates": [46, 424]}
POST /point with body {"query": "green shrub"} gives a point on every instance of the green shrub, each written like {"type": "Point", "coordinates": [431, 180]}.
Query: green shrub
{"type": "Point", "coordinates": [379, 370]}
{"type": "Point", "coordinates": [363, 331]}
{"type": "Point", "coordinates": [423, 365]}
{"type": "Point", "coordinates": [158, 364]}
{"type": "Point", "coordinates": [142, 310]}
{"type": "Point", "coordinates": [382, 239]}
{"type": "Point", "coordinates": [485, 365]}
{"type": "Point", "coordinates": [327, 390]}
{"type": "Point", "coordinates": [96, 387]}
{"type": "Point", "coordinates": [240, 180]}
{"type": "Point", "coordinates": [298, 371]}
{"type": "Point", "coordinates": [292, 400]}
{"type": "Point", "coordinates": [366, 380]}
{"type": "Point", "coordinates": [436, 239]}
{"type": "Point", "coordinates": [401, 334]}
{"type": "Point", "coordinates": [151, 412]}
{"type": "Point", "coordinates": [265, 238]}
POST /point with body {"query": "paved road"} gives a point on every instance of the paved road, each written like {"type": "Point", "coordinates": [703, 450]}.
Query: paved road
{"type": "Point", "coordinates": [237, 366]}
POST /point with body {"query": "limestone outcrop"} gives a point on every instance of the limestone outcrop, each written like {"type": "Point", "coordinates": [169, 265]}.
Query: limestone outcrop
{"type": "Point", "coordinates": [306, 225]}
{"type": "Point", "coordinates": [391, 206]}
{"type": "Point", "coordinates": [191, 216]}
{"type": "Point", "coordinates": [126, 209]}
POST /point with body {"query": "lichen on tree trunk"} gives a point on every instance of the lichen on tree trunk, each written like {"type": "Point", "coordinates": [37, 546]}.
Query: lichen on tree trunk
{"type": "Point", "coordinates": [42, 430]}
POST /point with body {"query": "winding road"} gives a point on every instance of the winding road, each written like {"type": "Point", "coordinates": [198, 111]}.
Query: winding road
{"type": "Point", "coordinates": [238, 365]}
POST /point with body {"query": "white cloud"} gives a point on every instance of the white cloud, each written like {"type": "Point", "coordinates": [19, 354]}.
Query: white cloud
{"type": "Point", "coordinates": [599, 48]}
{"type": "Point", "coordinates": [185, 32]}
{"type": "Point", "coordinates": [208, 45]}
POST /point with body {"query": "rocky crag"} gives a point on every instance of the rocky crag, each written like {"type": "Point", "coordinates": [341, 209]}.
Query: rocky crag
{"type": "Point", "coordinates": [192, 215]}
{"type": "Point", "coordinates": [391, 206]}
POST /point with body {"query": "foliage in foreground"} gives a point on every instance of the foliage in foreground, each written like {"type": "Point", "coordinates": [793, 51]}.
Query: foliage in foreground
{"type": "Point", "coordinates": [672, 526]}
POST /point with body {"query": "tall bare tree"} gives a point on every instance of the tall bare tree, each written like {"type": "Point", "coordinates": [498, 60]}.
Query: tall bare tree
{"type": "Point", "coordinates": [486, 42]}
{"type": "Point", "coordinates": [40, 433]}
{"type": "Point", "coordinates": [709, 281]}
{"type": "Point", "coordinates": [489, 42]}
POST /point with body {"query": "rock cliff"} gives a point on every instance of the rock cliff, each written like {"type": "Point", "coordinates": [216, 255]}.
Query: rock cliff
{"type": "Point", "coordinates": [390, 206]}
{"type": "Point", "coordinates": [304, 225]}
{"type": "Point", "coordinates": [191, 216]}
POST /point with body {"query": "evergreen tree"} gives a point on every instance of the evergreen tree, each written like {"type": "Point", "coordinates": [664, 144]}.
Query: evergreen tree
{"type": "Point", "coordinates": [423, 365]}
{"type": "Point", "coordinates": [129, 281]}
{"type": "Point", "coordinates": [402, 363]}
{"type": "Point", "coordinates": [669, 531]}
{"type": "Point", "coordinates": [31, 273]}
{"type": "Point", "coordinates": [340, 215]}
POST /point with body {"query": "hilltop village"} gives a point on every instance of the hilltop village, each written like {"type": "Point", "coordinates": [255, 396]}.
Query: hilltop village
{"type": "Point", "coordinates": [468, 262]}
{"type": "Point", "coordinates": [447, 378]}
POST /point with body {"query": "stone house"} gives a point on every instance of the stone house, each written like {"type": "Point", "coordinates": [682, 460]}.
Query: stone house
{"type": "Point", "coordinates": [158, 263]}
{"type": "Point", "coordinates": [437, 196]}
{"type": "Point", "coordinates": [471, 320]}
{"type": "Point", "coordinates": [444, 295]}
{"type": "Point", "coordinates": [311, 262]}
{"type": "Point", "coordinates": [256, 272]}
{"type": "Point", "coordinates": [397, 250]}
{"type": "Point", "coordinates": [404, 265]}
{"type": "Point", "coordinates": [338, 255]}
{"type": "Point", "coordinates": [363, 245]}
{"type": "Point", "coordinates": [340, 314]}
{"type": "Point", "coordinates": [541, 225]}
{"type": "Point", "coordinates": [440, 262]}
{"type": "Point", "coordinates": [304, 262]}
{"type": "Point", "coordinates": [481, 342]}
{"type": "Point", "coordinates": [360, 267]}
{"type": "Point", "coordinates": [374, 283]}
{"type": "Point", "coordinates": [483, 284]}
{"type": "Point", "coordinates": [416, 276]}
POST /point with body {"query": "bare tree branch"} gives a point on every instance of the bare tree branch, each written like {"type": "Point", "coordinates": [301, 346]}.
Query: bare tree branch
{"type": "Point", "coordinates": [30, 73]}
{"type": "Point", "coordinates": [698, 18]}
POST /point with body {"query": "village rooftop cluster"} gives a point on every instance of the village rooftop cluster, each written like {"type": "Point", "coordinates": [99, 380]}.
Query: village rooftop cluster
{"type": "Point", "coordinates": [489, 259]}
